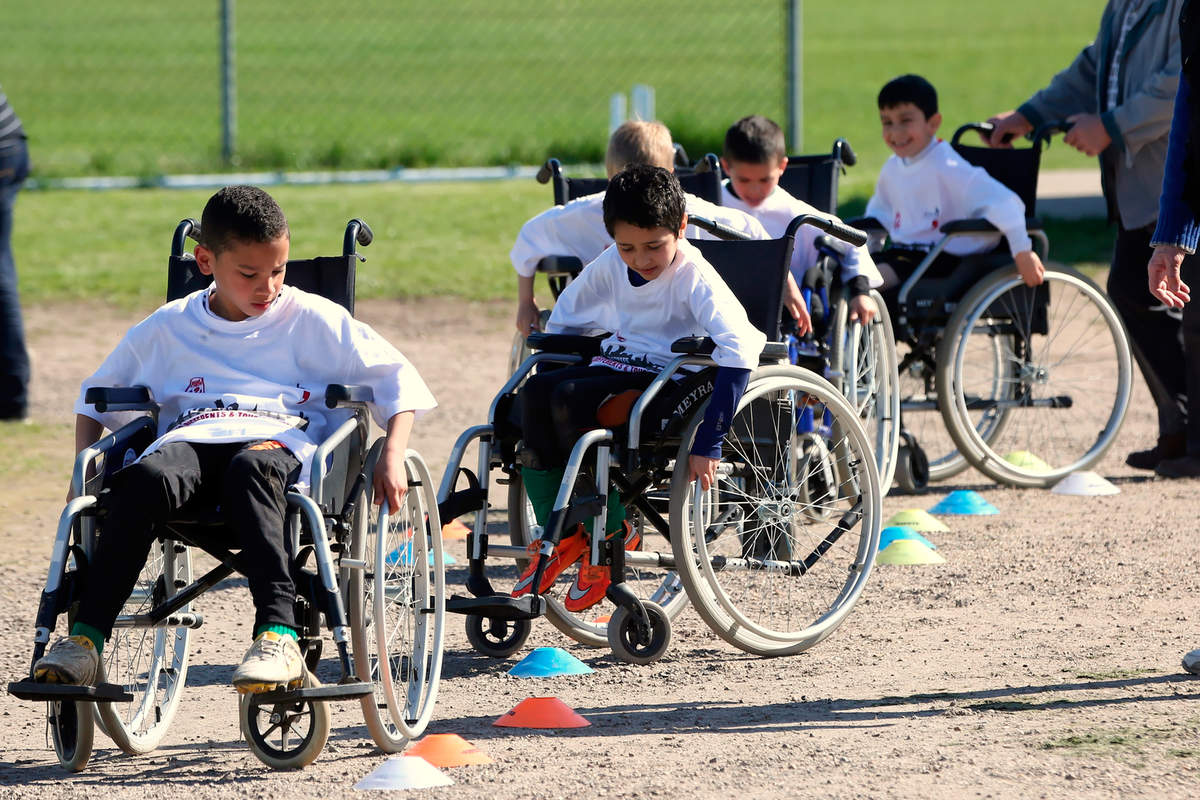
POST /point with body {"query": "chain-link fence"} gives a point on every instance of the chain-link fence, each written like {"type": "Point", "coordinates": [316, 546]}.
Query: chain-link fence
{"type": "Point", "coordinates": [134, 87]}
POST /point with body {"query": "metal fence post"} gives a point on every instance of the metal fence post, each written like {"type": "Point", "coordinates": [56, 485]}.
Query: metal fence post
{"type": "Point", "coordinates": [228, 83]}
{"type": "Point", "coordinates": [795, 75]}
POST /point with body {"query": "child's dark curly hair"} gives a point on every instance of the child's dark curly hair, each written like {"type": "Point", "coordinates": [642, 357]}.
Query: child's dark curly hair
{"type": "Point", "coordinates": [241, 214]}
{"type": "Point", "coordinates": [645, 196]}
{"type": "Point", "coordinates": [909, 89]}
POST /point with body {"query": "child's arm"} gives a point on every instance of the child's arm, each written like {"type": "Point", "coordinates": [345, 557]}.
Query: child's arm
{"type": "Point", "coordinates": [793, 301]}
{"type": "Point", "coordinates": [87, 433]}
{"type": "Point", "coordinates": [728, 387]}
{"type": "Point", "coordinates": [1003, 208]}
{"type": "Point", "coordinates": [391, 481]}
{"type": "Point", "coordinates": [528, 314]}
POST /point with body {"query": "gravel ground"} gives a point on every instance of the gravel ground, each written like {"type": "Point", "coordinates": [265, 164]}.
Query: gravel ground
{"type": "Point", "coordinates": [1041, 660]}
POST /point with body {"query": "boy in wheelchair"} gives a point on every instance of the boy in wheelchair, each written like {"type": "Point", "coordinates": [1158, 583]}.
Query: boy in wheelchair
{"type": "Point", "coordinates": [648, 290]}
{"type": "Point", "coordinates": [926, 184]}
{"type": "Point", "coordinates": [577, 228]}
{"type": "Point", "coordinates": [237, 371]}
{"type": "Point", "coordinates": [754, 157]}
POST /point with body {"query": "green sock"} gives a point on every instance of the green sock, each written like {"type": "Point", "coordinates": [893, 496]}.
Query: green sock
{"type": "Point", "coordinates": [282, 630]}
{"type": "Point", "coordinates": [616, 513]}
{"type": "Point", "coordinates": [541, 487]}
{"type": "Point", "coordinates": [95, 635]}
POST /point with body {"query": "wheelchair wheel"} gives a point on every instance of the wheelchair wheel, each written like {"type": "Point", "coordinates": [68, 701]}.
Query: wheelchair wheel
{"type": "Point", "coordinates": [920, 416]}
{"type": "Point", "coordinates": [654, 584]}
{"type": "Point", "coordinates": [865, 359]}
{"type": "Point", "coordinates": [397, 609]}
{"type": "Point", "coordinates": [767, 574]}
{"type": "Point", "coordinates": [1049, 369]}
{"type": "Point", "coordinates": [286, 735]}
{"type": "Point", "coordinates": [635, 643]}
{"type": "Point", "coordinates": [72, 730]}
{"type": "Point", "coordinates": [520, 350]}
{"type": "Point", "coordinates": [150, 662]}
{"type": "Point", "coordinates": [495, 637]}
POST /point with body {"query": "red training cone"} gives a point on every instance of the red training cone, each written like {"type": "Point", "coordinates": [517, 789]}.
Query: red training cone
{"type": "Point", "coordinates": [541, 712]}
{"type": "Point", "coordinates": [448, 750]}
{"type": "Point", "coordinates": [454, 529]}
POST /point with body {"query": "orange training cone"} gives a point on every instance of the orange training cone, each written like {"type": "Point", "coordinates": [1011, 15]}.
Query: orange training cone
{"type": "Point", "coordinates": [541, 712]}
{"type": "Point", "coordinates": [448, 750]}
{"type": "Point", "coordinates": [454, 529]}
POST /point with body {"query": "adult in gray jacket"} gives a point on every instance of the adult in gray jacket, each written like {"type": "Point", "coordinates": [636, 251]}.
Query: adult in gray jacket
{"type": "Point", "coordinates": [1119, 94]}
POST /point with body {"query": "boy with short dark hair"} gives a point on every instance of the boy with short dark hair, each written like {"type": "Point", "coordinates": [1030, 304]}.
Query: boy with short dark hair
{"type": "Point", "coordinates": [577, 228]}
{"type": "Point", "coordinates": [647, 290]}
{"type": "Point", "coordinates": [238, 369]}
{"type": "Point", "coordinates": [927, 184]}
{"type": "Point", "coordinates": [754, 158]}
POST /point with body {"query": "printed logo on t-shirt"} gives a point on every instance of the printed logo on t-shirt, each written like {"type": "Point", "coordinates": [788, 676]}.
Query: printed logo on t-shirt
{"type": "Point", "coordinates": [195, 386]}
{"type": "Point", "coordinates": [304, 395]}
{"type": "Point", "coordinates": [896, 221]}
{"type": "Point", "coordinates": [932, 215]}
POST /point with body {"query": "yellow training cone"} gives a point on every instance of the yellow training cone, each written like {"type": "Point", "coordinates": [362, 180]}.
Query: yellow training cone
{"type": "Point", "coordinates": [908, 551]}
{"type": "Point", "coordinates": [1023, 459]}
{"type": "Point", "coordinates": [918, 519]}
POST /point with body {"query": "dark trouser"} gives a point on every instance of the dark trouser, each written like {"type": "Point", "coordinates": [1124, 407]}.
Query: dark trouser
{"type": "Point", "coordinates": [14, 360]}
{"type": "Point", "coordinates": [1167, 350]}
{"type": "Point", "coordinates": [559, 405]}
{"type": "Point", "coordinates": [245, 479]}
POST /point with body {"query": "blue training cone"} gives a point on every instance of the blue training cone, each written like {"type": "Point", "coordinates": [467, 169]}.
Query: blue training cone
{"type": "Point", "coordinates": [547, 662]}
{"type": "Point", "coordinates": [964, 501]}
{"type": "Point", "coordinates": [403, 555]}
{"type": "Point", "coordinates": [897, 532]}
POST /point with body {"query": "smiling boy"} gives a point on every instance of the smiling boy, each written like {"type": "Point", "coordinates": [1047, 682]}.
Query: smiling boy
{"type": "Point", "coordinates": [649, 289]}
{"type": "Point", "coordinates": [233, 368]}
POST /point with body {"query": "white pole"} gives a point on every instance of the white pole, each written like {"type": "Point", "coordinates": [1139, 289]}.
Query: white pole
{"type": "Point", "coordinates": [795, 74]}
{"type": "Point", "coordinates": [616, 111]}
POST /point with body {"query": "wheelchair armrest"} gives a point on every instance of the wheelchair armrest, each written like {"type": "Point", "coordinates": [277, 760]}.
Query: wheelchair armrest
{"type": "Point", "coordinates": [694, 346]}
{"type": "Point", "coordinates": [339, 394]}
{"type": "Point", "coordinates": [564, 343]}
{"type": "Point", "coordinates": [120, 398]}
{"type": "Point", "coordinates": [774, 351]}
{"type": "Point", "coordinates": [969, 226]}
{"type": "Point", "coordinates": [558, 265]}
{"type": "Point", "coordinates": [868, 224]}
{"type": "Point", "coordinates": [1033, 224]}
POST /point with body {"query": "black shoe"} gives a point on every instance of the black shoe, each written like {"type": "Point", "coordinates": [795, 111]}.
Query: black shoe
{"type": "Point", "coordinates": [1169, 446]}
{"type": "Point", "coordinates": [1186, 467]}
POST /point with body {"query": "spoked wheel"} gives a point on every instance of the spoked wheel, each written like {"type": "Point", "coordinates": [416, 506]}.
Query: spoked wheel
{"type": "Point", "coordinates": [397, 609]}
{"type": "Point", "coordinates": [921, 416]}
{"type": "Point", "coordinates": [655, 584]}
{"type": "Point", "coordinates": [912, 467]}
{"type": "Point", "coordinates": [1052, 362]}
{"type": "Point", "coordinates": [635, 642]}
{"type": "Point", "coordinates": [520, 350]}
{"type": "Point", "coordinates": [495, 637]}
{"type": "Point", "coordinates": [768, 574]}
{"type": "Point", "coordinates": [865, 359]}
{"type": "Point", "coordinates": [71, 731]}
{"type": "Point", "coordinates": [150, 662]}
{"type": "Point", "coordinates": [285, 735]}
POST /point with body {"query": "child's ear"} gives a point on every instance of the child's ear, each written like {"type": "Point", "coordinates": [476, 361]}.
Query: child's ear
{"type": "Point", "coordinates": [204, 259]}
{"type": "Point", "coordinates": [935, 122]}
{"type": "Point", "coordinates": [682, 227]}
{"type": "Point", "coordinates": [783, 161]}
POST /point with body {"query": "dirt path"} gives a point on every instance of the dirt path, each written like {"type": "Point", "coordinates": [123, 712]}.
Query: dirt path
{"type": "Point", "coordinates": [1040, 661]}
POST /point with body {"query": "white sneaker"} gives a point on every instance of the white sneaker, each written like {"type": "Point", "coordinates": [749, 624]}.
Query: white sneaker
{"type": "Point", "coordinates": [1191, 662]}
{"type": "Point", "coordinates": [72, 660]}
{"type": "Point", "coordinates": [273, 661]}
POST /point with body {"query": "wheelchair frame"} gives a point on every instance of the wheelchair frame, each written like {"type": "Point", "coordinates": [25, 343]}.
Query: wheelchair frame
{"type": "Point", "coordinates": [343, 511]}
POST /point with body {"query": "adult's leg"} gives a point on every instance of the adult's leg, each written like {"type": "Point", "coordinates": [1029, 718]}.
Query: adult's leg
{"type": "Point", "coordinates": [1154, 334]}
{"type": "Point", "coordinates": [253, 502]}
{"type": "Point", "coordinates": [142, 495]}
{"type": "Point", "coordinates": [14, 359]}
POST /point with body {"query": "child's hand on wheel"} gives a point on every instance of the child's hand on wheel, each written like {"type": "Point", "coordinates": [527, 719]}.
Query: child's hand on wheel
{"type": "Point", "coordinates": [863, 309]}
{"type": "Point", "coordinates": [704, 469]}
{"type": "Point", "coordinates": [793, 301]}
{"type": "Point", "coordinates": [1030, 267]}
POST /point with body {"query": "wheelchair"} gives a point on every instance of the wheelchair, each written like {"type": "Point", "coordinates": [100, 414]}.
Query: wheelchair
{"type": "Point", "coordinates": [702, 179]}
{"type": "Point", "coordinates": [1025, 384]}
{"type": "Point", "coordinates": [375, 578]}
{"type": "Point", "coordinates": [859, 360]}
{"type": "Point", "coordinates": [773, 556]}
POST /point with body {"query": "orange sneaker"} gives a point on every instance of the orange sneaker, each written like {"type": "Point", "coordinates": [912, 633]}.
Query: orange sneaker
{"type": "Point", "coordinates": [592, 582]}
{"type": "Point", "coordinates": [569, 550]}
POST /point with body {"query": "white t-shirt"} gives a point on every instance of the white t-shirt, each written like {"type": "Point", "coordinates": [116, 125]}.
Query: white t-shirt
{"type": "Point", "coordinates": [264, 377]}
{"type": "Point", "coordinates": [778, 210]}
{"type": "Point", "coordinates": [915, 196]}
{"type": "Point", "coordinates": [577, 229]}
{"type": "Point", "coordinates": [689, 298]}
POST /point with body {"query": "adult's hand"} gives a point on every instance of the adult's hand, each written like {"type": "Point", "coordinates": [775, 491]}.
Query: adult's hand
{"type": "Point", "coordinates": [1008, 125]}
{"type": "Point", "coordinates": [1163, 272]}
{"type": "Point", "coordinates": [1087, 134]}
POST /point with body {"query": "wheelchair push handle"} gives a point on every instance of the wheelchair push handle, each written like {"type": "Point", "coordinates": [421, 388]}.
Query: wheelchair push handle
{"type": "Point", "coordinates": [716, 228]}
{"type": "Point", "coordinates": [837, 230]}
{"type": "Point", "coordinates": [358, 232]}
{"type": "Point", "coordinates": [551, 168]}
{"type": "Point", "coordinates": [186, 228]}
{"type": "Point", "coordinates": [843, 152]}
{"type": "Point", "coordinates": [1039, 135]}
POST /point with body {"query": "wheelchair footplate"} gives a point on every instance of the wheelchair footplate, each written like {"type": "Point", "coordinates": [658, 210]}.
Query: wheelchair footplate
{"type": "Point", "coordinates": [333, 691]}
{"type": "Point", "coordinates": [57, 692]}
{"type": "Point", "coordinates": [498, 606]}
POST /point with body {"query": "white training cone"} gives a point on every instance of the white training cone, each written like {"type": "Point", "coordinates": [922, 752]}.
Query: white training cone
{"type": "Point", "coordinates": [404, 772]}
{"type": "Point", "coordinates": [1086, 483]}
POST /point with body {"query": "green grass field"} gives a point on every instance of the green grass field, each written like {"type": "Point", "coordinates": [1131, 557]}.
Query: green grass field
{"type": "Point", "coordinates": [132, 87]}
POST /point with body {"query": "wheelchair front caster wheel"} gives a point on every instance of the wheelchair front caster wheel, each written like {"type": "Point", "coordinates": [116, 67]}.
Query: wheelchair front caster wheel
{"type": "Point", "coordinates": [630, 639]}
{"type": "Point", "coordinates": [285, 735]}
{"type": "Point", "coordinates": [71, 729]}
{"type": "Point", "coordinates": [912, 466]}
{"type": "Point", "coordinates": [498, 638]}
